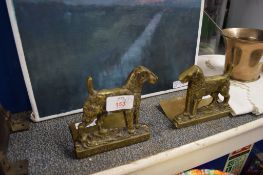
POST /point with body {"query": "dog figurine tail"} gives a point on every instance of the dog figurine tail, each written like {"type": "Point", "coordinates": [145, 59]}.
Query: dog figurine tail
{"type": "Point", "coordinates": [229, 70]}
{"type": "Point", "coordinates": [89, 84]}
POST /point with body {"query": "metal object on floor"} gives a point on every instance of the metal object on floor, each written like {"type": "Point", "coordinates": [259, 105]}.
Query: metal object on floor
{"type": "Point", "coordinates": [114, 128]}
{"type": "Point", "coordinates": [14, 125]}
{"type": "Point", "coordinates": [8, 168]}
{"type": "Point", "coordinates": [193, 109]}
{"type": "Point", "coordinates": [8, 126]}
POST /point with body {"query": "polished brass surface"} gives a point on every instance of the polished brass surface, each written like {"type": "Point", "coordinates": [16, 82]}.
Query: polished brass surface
{"type": "Point", "coordinates": [203, 114]}
{"type": "Point", "coordinates": [115, 138]}
{"type": "Point", "coordinates": [168, 106]}
{"type": "Point", "coordinates": [244, 49]}
{"type": "Point", "coordinates": [193, 108]}
{"type": "Point", "coordinates": [115, 129]}
{"type": "Point", "coordinates": [6, 167]}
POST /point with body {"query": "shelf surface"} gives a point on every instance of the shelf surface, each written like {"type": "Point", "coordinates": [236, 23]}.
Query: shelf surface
{"type": "Point", "coordinates": [49, 147]}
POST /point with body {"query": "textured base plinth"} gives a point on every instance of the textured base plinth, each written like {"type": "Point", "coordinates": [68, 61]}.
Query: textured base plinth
{"type": "Point", "coordinates": [203, 114]}
{"type": "Point", "coordinates": [115, 138]}
{"type": "Point", "coordinates": [174, 108]}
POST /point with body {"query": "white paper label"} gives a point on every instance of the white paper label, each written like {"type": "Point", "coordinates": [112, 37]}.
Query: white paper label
{"type": "Point", "coordinates": [119, 102]}
{"type": "Point", "coordinates": [92, 124]}
{"type": "Point", "coordinates": [178, 84]}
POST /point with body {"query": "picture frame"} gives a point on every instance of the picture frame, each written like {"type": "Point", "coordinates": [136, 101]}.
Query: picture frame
{"type": "Point", "coordinates": [37, 115]}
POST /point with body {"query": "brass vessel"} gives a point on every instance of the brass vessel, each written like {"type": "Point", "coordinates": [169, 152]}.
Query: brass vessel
{"type": "Point", "coordinates": [244, 49]}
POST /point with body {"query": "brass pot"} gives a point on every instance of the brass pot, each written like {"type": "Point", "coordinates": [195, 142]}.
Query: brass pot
{"type": "Point", "coordinates": [244, 49]}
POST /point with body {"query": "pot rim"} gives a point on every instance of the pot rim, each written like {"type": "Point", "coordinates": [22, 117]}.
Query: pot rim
{"type": "Point", "coordinates": [240, 39]}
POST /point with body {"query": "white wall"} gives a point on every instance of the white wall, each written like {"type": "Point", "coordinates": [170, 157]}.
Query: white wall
{"type": "Point", "coordinates": [246, 13]}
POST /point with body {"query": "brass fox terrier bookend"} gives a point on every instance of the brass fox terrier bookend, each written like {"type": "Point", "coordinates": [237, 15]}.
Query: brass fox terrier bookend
{"type": "Point", "coordinates": [111, 116]}
{"type": "Point", "coordinates": [193, 108]}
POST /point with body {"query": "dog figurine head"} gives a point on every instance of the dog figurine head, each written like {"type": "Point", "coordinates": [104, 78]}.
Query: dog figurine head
{"type": "Point", "coordinates": [91, 109]}
{"type": "Point", "coordinates": [193, 72]}
{"type": "Point", "coordinates": [145, 75]}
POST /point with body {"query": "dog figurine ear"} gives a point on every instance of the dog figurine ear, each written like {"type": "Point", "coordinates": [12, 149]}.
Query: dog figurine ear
{"type": "Point", "coordinates": [196, 73]}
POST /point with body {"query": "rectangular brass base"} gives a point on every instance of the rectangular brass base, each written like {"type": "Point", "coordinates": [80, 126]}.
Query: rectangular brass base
{"type": "Point", "coordinates": [204, 114]}
{"type": "Point", "coordinates": [107, 143]}
{"type": "Point", "coordinates": [173, 108]}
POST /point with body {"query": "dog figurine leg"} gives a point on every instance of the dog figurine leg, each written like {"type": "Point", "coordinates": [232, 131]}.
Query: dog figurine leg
{"type": "Point", "coordinates": [82, 135]}
{"type": "Point", "coordinates": [129, 120]}
{"type": "Point", "coordinates": [226, 98]}
{"type": "Point", "coordinates": [215, 97]}
{"type": "Point", "coordinates": [99, 123]}
{"type": "Point", "coordinates": [136, 118]}
{"type": "Point", "coordinates": [225, 93]}
{"type": "Point", "coordinates": [194, 108]}
{"type": "Point", "coordinates": [136, 113]}
{"type": "Point", "coordinates": [188, 104]}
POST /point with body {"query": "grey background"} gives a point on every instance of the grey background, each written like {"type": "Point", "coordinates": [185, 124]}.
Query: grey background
{"type": "Point", "coordinates": [65, 41]}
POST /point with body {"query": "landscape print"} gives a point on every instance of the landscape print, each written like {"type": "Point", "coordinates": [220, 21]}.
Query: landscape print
{"type": "Point", "coordinates": [64, 41]}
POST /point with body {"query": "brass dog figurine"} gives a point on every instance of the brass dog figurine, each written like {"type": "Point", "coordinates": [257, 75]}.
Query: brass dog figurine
{"type": "Point", "coordinates": [103, 133]}
{"type": "Point", "coordinates": [192, 109]}
{"type": "Point", "coordinates": [200, 86]}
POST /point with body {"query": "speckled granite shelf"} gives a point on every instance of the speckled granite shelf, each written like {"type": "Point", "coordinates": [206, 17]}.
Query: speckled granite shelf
{"type": "Point", "coordinates": [49, 148]}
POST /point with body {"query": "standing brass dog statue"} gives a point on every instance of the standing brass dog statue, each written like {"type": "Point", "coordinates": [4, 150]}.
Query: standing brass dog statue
{"type": "Point", "coordinates": [194, 108]}
{"type": "Point", "coordinates": [113, 129]}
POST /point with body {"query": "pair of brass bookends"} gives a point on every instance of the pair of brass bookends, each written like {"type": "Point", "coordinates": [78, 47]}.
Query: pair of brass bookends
{"type": "Point", "coordinates": [111, 117]}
